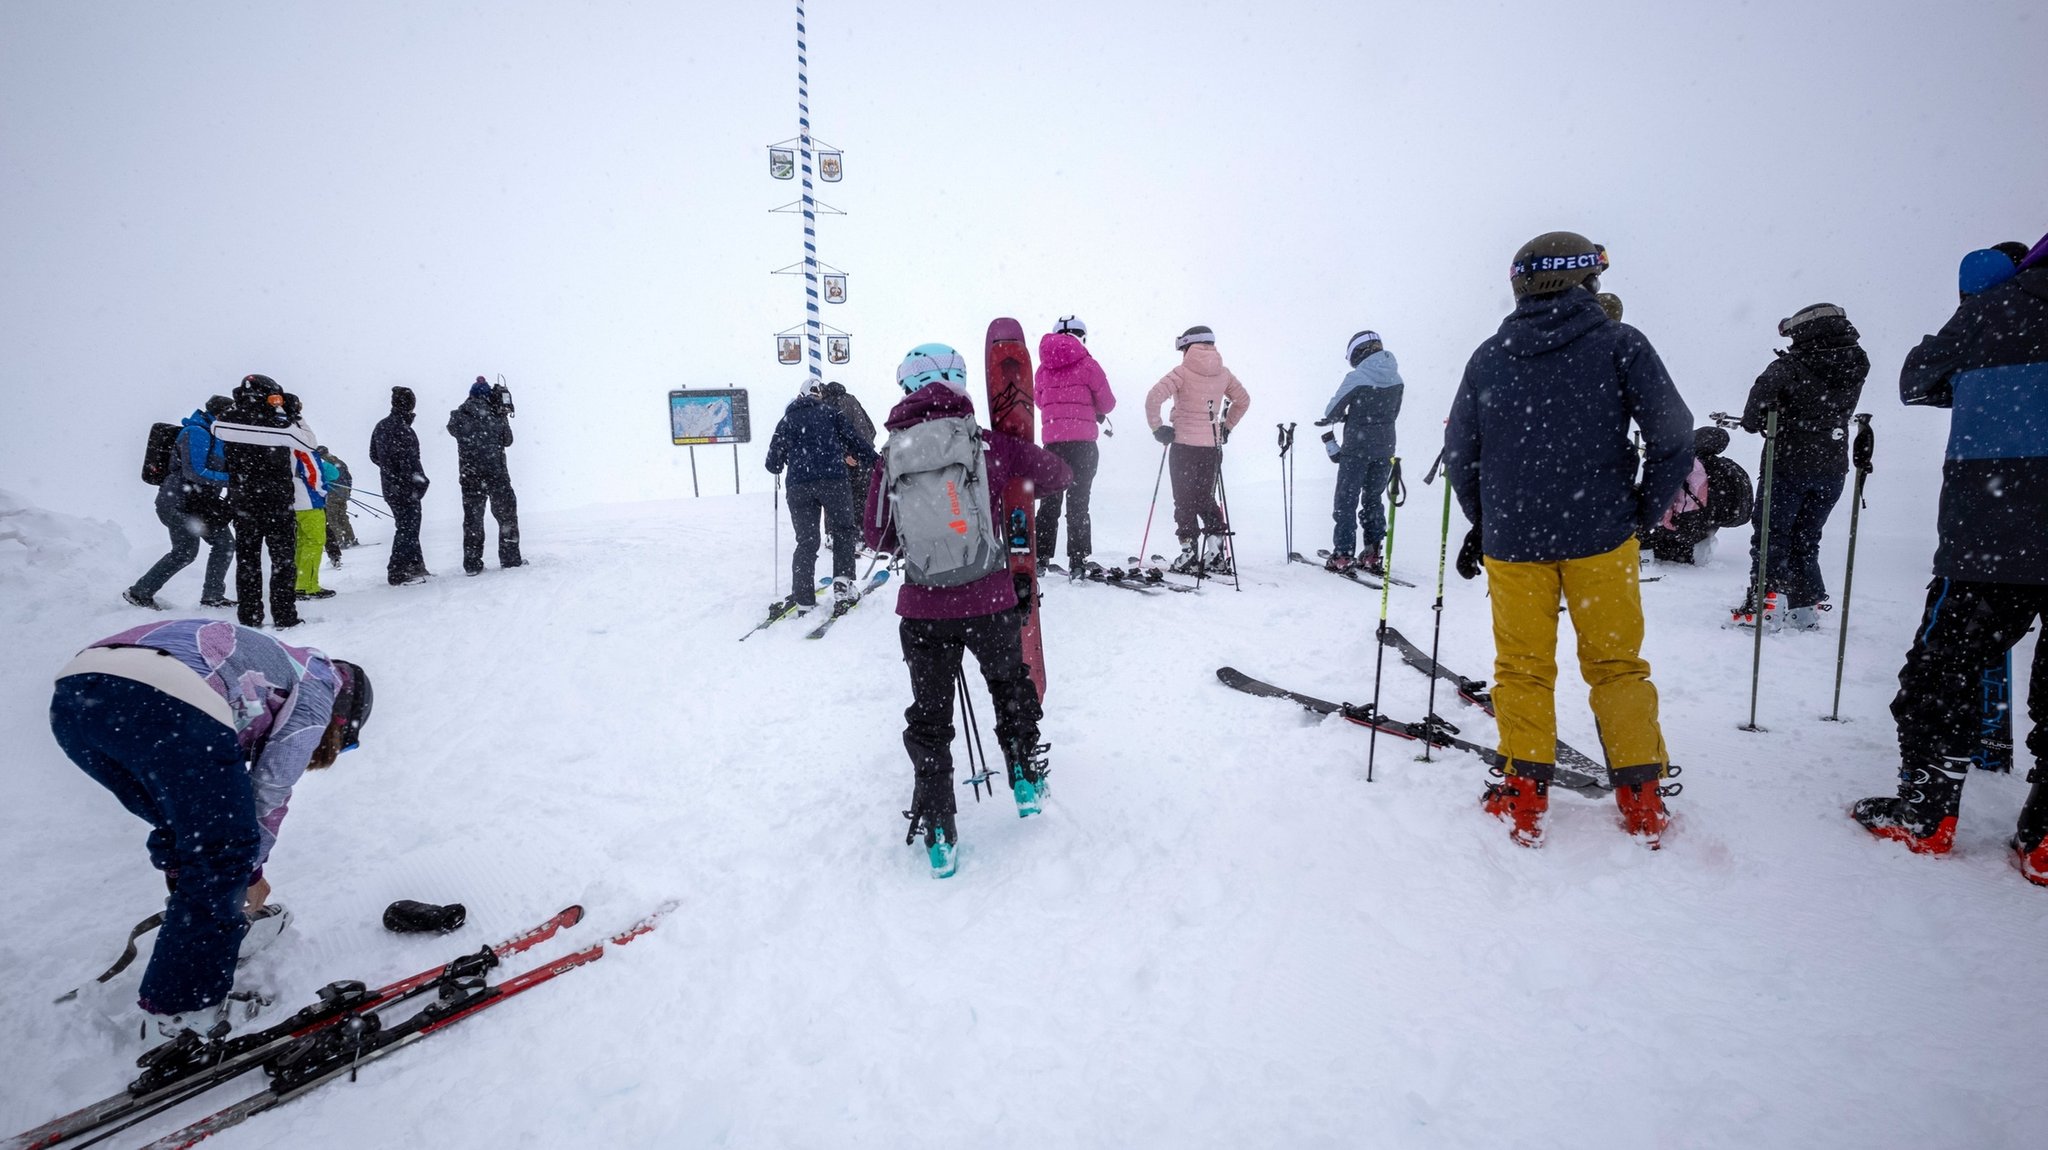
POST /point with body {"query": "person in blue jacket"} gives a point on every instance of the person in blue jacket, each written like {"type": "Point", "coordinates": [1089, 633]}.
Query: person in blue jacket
{"type": "Point", "coordinates": [1367, 404]}
{"type": "Point", "coordinates": [816, 443]}
{"type": "Point", "coordinates": [192, 503]}
{"type": "Point", "coordinates": [1989, 366]}
{"type": "Point", "coordinates": [1538, 450]}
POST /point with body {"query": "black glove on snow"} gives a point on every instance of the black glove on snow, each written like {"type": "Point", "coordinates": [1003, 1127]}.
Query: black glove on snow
{"type": "Point", "coordinates": [1469, 555]}
{"type": "Point", "coordinates": [1163, 433]}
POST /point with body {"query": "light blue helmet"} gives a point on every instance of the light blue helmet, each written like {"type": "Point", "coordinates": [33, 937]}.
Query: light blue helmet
{"type": "Point", "coordinates": [930, 363]}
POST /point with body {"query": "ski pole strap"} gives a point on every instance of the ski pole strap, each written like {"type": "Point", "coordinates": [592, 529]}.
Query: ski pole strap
{"type": "Point", "coordinates": [1399, 488]}
{"type": "Point", "coordinates": [1435, 469]}
{"type": "Point", "coordinates": [1286, 437]}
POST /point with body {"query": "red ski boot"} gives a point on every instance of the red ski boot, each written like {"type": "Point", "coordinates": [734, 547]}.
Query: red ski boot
{"type": "Point", "coordinates": [1521, 800]}
{"type": "Point", "coordinates": [1637, 793]}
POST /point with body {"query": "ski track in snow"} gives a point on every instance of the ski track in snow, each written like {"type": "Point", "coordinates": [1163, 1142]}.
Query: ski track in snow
{"type": "Point", "coordinates": [1218, 934]}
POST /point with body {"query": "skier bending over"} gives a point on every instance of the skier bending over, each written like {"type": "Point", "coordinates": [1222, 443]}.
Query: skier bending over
{"type": "Point", "coordinates": [1207, 402]}
{"type": "Point", "coordinates": [1814, 386]}
{"type": "Point", "coordinates": [202, 728]}
{"type": "Point", "coordinates": [932, 500]}
{"type": "Point", "coordinates": [1538, 451]}
{"type": "Point", "coordinates": [1989, 364]}
{"type": "Point", "coordinates": [1367, 403]}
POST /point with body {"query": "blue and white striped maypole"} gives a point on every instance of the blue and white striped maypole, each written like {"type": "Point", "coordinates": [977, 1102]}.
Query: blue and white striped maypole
{"type": "Point", "coordinates": [803, 119]}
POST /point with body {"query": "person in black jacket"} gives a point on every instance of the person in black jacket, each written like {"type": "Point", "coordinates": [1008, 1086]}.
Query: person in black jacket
{"type": "Point", "coordinates": [1814, 386]}
{"type": "Point", "coordinates": [848, 405]}
{"type": "Point", "coordinates": [1537, 449]}
{"type": "Point", "coordinates": [815, 443]}
{"type": "Point", "coordinates": [482, 433]}
{"type": "Point", "coordinates": [1989, 365]}
{"type": "Point", "coordinates": [395, 452]}
{"type": "Point", "coordinates": [257, 441]}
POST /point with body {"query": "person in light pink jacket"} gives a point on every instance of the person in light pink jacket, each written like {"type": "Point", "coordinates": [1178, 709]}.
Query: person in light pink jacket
{"type": "Point", "coordinates": [1073, 396]}
{"type": "Point", "coordinates": [1206, 397]}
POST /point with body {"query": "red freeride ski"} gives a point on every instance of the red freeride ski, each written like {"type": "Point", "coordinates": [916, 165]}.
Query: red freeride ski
{"type": "Point", "coordinates": [1012, 412]}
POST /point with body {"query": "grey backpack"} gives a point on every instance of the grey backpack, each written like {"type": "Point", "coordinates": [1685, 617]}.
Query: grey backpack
{"type": "Point", "coordinates": [935, 480]}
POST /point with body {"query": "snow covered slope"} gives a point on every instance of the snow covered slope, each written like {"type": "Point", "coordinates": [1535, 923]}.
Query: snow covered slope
{"type": "Point", "coordinates": [1217, 935]}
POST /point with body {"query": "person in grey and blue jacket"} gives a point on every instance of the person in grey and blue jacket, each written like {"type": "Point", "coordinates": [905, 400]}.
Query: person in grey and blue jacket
{"type": "Point", "coordinates": [1367, 403]}
{"type": "Point", "coordinates": [192, 505]}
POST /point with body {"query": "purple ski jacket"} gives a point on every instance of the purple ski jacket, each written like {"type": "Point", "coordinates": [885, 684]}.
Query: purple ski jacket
{"type": "Point", "coordinates": [1070, 390]}
{"type": "Point", "coordinates": [1006, 457]}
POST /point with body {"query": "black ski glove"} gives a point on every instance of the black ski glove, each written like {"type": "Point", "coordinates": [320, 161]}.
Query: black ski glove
{"type": "Point", "coordinates": [1469, 555]}
{"type": "Point", "coordinates": [1163, 433]}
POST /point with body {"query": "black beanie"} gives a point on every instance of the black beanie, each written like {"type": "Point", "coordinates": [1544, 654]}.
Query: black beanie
{"type": "Point", "coordinates": [402, 400]}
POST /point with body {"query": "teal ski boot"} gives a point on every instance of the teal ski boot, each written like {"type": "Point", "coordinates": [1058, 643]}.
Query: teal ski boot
{"type": "Point", "coordinates": [931, 812]}
{"type": "Point", "coordinates": [1027, 779]}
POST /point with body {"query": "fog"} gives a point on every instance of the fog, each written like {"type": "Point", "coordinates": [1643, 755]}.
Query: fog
{"type": "Point", "coordinates": [347, 197]}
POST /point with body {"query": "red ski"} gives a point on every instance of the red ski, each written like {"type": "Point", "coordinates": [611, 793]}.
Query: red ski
{"type": "Point", "coordinates": [1012, 412]}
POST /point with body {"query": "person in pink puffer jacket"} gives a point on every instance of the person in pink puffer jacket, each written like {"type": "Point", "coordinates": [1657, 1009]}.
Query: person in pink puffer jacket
{"type": "Point", "coordinates": [1072, 396]}
{"type": "Point", "coordinates": [1205, 396]}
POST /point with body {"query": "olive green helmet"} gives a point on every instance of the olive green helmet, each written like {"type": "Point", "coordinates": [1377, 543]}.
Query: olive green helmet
{"type": "Point", "coordinates": [1555, 261]}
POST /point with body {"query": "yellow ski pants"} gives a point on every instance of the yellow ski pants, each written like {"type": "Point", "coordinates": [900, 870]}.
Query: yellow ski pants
{"type": "Point", "coordinates": [1603, 594]}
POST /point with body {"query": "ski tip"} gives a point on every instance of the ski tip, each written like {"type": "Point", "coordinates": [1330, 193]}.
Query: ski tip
{"type": "Point", "coordinates": [1005, 330]}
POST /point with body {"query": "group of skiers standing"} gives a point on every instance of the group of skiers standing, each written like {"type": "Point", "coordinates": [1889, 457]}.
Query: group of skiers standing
{"type": "Point", "coordinates": [246, 475]}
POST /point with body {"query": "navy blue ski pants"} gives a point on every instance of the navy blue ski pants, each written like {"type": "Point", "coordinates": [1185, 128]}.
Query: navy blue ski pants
{"type": "Point", "coordinates": [1800, 506]}
{"type": "Point", "coordinates": [1361, 482]}
{"type": "Point", "coordinates": [181, 771]}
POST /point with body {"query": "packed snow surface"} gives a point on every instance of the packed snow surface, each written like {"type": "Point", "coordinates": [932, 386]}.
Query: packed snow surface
{"type": "Point", "coordinates": [1218, 933]}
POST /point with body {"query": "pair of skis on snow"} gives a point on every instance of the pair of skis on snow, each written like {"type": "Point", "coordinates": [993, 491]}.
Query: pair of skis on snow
{"type": "Point", "coordinates": [785, 609]}
{"type": "Point", "coordinates": [1575, 770]}
{"type": "Point", "coordinates": [1145, 581]}
{"type": "Point", "coordinates": [320, 1043]}
{"type": "Point", "coordinates": [1356, 575]}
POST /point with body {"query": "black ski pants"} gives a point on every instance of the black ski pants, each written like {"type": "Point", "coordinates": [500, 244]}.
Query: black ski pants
{"type": "Point", "coordinates": [258, 527]}
{"type": "Point", "coordinates": [806, 501]}
{"type": "Point", "coordinates": [1800, 505]}
{"type": "Point", "coordinates": [932, 648]}
{"type": "Point", "coordinates": [1194, 490]}
{"type": "Point", "coordinates": [1082, 457]}
{"type": "Point", "coordinates": [493, 485]}
{"type": "Point", "coordinates": [1965, 628]}
{"type": "Point", "coordinates": [406, 559]}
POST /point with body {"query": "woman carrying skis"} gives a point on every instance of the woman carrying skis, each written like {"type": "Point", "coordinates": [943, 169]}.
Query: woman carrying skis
{"type": "Point", "coordinates": [1207, 402]}
{"type": "Point", "coordinates": [202, 728]}
{"type": "Point", "coordinates": [958, 594]}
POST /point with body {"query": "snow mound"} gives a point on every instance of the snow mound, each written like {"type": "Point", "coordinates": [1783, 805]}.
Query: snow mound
{"type": "Point", "coordinates": [49, 560]}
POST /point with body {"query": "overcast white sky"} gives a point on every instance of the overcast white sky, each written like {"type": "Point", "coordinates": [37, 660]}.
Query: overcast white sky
{"type": "Point", "coordinates": [575, 194]}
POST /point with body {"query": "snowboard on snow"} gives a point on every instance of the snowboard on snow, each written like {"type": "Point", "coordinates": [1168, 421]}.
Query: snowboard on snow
{"type": "Point", "coordinates": [1012, 412]}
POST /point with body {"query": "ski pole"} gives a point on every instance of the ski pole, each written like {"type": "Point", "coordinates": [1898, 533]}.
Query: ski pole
{"type": "Point", "coordinates": [1866, 441]}
{"type": "Point", "coordinates": [1443, 547]}
{"type": "Point", "coordinates": [775, 557]}
{"type": "Point", "coordinates": [971, 728]}
{"type": "Point", "coordinates": [1286, 488]}
{"type": "Point", "coordinates": [1759, 586]}
{"type": "Point", "coordinates": [1228, 550]}
{"type": "Point", "coordinates": [1147, 537]}
{"type": "Point", "coordinates": [1379, 655]}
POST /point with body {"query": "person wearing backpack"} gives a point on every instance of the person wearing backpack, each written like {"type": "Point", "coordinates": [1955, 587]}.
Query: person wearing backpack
{"type": "Point", "coordinates": [1367, 403]}
{"type": "Point", "coordinates": [933, 501]}
{"type": "Point", "coordinates": [813, 442]}
{"type": "Point", "coordinates": [482, 432]}
{"type": "Point", "coordinates": [1814, 386]}
{"type": "Point", "coordinates": [192, 503]}
{"type": "Point", "coordinates": [1073, 396]}
{"type": "Point", "coordinates": [340, 532]}
{"type": "Point", "coordinates": [1208, 402]}
{"type": "Point", "coordinates": [1716, 494]}
{"type": "Point", "coordinates": [258, 441]}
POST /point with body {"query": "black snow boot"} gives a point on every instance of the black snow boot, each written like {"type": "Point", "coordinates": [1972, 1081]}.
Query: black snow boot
{"type": "Point", "coordinates": [1923, 815]}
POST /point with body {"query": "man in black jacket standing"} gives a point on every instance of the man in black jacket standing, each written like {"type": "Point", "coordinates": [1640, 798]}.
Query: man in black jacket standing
{"type": "Point", "coordinates": [1989, 365]}
{"type": "Point", "coordinates": [395, 451]}
{"type": "Point", "coordinates": [1814, 386]}
{"type": "Point", "coordinates": [482, 433]}
{"type": "Point", "coordinates": [256, 443]}
{"type": "Point", "coordinates": [813, 442]}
